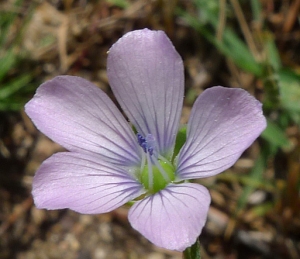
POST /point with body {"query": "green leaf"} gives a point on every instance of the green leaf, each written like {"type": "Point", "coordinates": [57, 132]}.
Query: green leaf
{"type": "Point", "coordinates": [180, 140]}
{"type": "Point", "coordinates": [273, 56]}
{"type": "Point", "coordinates": [275, 135]}
{"type": "Point", "coordinates": [256, 174]}
{"type": "Point", "coordinates": [247, 180]}
{"type": "Point", "coordinates": [262, 209]}
{"type": "Point", "coordinates": [256, 10]}
{"type": "Point", "coordinates": [234, 48]}
{"type": "Point", "coordinates": [192, 252]}
{"type": "Point", "coordinates": [120, 3]}
{"type": "Point", "coordinates": [289, 89]}
{"type": "Point", "coordinates": [11, 105]}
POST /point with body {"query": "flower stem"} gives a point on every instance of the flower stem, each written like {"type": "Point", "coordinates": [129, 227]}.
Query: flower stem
{"type": "Point", "coordinates": [192, 252]}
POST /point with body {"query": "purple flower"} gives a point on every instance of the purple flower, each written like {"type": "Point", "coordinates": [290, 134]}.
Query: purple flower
{"type": "Point", "coordinates": [109, 164]}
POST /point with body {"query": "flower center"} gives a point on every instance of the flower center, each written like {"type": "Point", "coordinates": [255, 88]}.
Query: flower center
{"type": "Point", "coordinates": [156, 171]}
{"type": "Point", "coordinates": [154, 179]}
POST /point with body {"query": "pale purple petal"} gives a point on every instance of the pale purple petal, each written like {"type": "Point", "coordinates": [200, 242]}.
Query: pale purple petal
{"type": "Point", "coordinates": [146, 76]}
{"type": "Point", "coordinates": [82, 183]}
{"type": "Point", "coordinates": [174, 217]}
{"type": "Point", "coordinates": [223, 123]}
{"type": "Point", "coordinates": [76, 114]}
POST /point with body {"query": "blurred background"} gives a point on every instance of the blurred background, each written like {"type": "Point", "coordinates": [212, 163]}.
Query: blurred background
{"type": "Point", "coordinates": [254, 45]}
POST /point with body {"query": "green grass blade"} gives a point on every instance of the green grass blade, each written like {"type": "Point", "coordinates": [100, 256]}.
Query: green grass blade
{"type": "Point", "coordinates": [7, 62]}
{"type": "Point", "coordinates": [231, 45]}
{"type": "Point", "coordinates": [14, 86]}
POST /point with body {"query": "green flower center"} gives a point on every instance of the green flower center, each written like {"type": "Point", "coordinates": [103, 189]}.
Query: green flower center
{"type": "Point", "coordinates": [155, 177]}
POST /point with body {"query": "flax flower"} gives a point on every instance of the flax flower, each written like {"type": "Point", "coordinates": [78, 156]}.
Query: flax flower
{"type": "Point", "coordinates": [111, 161]}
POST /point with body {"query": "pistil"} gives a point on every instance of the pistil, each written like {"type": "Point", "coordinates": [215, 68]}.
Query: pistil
{"type": "Point", "coordinates": [156, 171]}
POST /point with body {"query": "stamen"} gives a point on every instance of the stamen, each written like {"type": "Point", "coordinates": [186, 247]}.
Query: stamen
{"type": "Point", "coordinates": [148, 143]}
{"type": "Point", "coordinates": [156, 171]}
{"type": "Point", "coordinates": [143, 163]}
{"type": "Point", "coordinates": [151, 143]}
{"type": "Point", "coordinates": [150, 172]}
{"type": "Point", "coordinates": [142, 142]}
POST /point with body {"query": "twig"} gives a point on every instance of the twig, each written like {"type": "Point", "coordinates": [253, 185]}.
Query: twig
{"type": "Point", "coordinates": [222, 19]}
{"type": "Point", "coordinates": [18, 212]}
{"type": "Point", "coordinates": [245, 28]}
{"type": "Point", "coordinates": [291, 16]}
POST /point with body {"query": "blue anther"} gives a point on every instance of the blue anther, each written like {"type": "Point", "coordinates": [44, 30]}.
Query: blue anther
{"type": "Point", "coordinates": [150, 150]}
{"type": "Point", "coordinates": [142, 142]}
{"type": "Point", "coordinates": [147, 143]}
